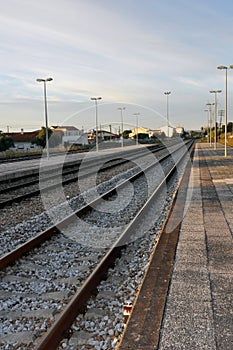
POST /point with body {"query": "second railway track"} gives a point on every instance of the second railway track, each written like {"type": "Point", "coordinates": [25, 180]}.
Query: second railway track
{"type": "Point", "coordinates": [18, 188]}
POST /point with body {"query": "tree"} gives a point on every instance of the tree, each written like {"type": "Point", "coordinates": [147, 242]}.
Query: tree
{"type": "Point", "coordinates": [142, 136]}
{"type": "Point", "coordinates": [229, 127]}
{"type": "Point", "coordinates": [5, 142]}
{"type": "Point", "coordinates": [40, 139]}
{"type": "Point", "coordinates": [126, 133]}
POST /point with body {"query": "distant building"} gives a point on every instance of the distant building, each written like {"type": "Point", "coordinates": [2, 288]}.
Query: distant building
{"type": "Point", "coordinates": [23, 140]}
{"type": "Point", "coordinates": [66, 135]}
{"type": "Point", "coordinates": [70, 135]}
{"type": "Point", "coordinates": [168, 131]}
{"type": "Point", "coordinates": [142, 130]}
{"type": "Point", "coordinates": [103, 135]}
{"type": "Point", "coordinates": [180, 130]}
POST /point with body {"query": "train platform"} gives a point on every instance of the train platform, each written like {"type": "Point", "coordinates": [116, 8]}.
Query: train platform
{"type": "Point", "coordinates": [198, 306]}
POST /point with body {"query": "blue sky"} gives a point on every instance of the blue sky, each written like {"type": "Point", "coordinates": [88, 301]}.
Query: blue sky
{"type": "Point", "coordinates": [128, 52]}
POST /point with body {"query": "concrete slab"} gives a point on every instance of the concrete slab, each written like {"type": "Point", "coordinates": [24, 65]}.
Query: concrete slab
{"type": "Point", "coordinates": [188, 326]}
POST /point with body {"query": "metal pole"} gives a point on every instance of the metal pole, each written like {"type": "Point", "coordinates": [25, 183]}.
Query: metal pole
{"type": "Point", "coordinates": [96, 121]}
{"type": "Point", "coordinates": [136, 114]}
{"type": "Point", "coordinates": [167, 93]}
{"type": "Point", "coordinates": [226, 115]}
{"type": "Point", "coordinates": [122, 139]}
{"type": "Point", "coordinates": [215, 115]}
{"type": "Point", "coordinates": [210, 114]}
{"type": "Point", "coordinates": [46, 121]}
{"type": "Point", "coordinates": [210, 125]}
{"type": "Point", "coordinates": [206, 110]}
{"type": "Point", "coordinates": [46, 113]}
{"type": "Point", "coordinates": [220, 120]}
{"type": "Point", "coordinates": [226, 68]}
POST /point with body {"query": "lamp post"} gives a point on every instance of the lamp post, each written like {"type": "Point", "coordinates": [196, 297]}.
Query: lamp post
{"type": "Point", "coordinates": [122, 139]}
{"type": "Point", "coordinates": [210, 114]}
{"type": "Point", "coordinates": [221, 114]}
{"type": "Point", "coordinates": [46, 113]}
{"type": "Point", "coordinates": [215, 92]}
{"type": "Point", "coordinates": [226, 68]}
{"type": "Point", "coordinates": [208, 139]}
{"type": "Point", "coordinates": [167, 93]}
{"type": "Point", "coordinates": [136, 114]}
{"type": "Point", "coordinates": [96, 121]}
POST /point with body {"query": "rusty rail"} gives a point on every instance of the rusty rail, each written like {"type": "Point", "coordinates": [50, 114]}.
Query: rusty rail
{"type": "Point", "coordinates": [148, 309]}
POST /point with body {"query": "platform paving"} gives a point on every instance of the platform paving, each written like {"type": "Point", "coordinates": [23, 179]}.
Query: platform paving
{"type": "Point", "coordinates": [199, 307]}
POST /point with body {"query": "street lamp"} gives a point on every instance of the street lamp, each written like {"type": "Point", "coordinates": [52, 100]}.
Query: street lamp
{"type": "Point", "coordinates": [215, 92]}
{"type": "Point", "coordinates": [167, 93]}
{"type": "Point", "coordinates": [136, 114]}
{"type": "Point", "coordinates": [46, 113]}
{"type": "Point", "coordinates": [122, 140]}
{"type": "Point", "coordinates": [96, 121]}
{"type": "Point", "coordinates": [226, 68]}
{"type": "Point", "coordinates": [221, 114]}
{"type": "Point", "coordinates": [210, 114]}
{"type": "Point", "coordinates": [206, 110]}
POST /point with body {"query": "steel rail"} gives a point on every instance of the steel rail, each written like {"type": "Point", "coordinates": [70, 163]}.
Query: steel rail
{"type": "Point", "coordinates": [148, 308]}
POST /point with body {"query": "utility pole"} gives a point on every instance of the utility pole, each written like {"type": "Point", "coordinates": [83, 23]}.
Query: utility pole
{"type": "Point", "coordinates": [110, 130]}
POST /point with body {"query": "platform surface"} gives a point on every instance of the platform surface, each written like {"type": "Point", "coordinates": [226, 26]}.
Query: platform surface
{"type": "Point", "coordinates": [198, 312]}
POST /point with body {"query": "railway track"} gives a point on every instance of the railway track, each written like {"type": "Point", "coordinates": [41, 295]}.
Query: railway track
{"type": "Point", "coordinates": [82, 278]}
{"type": "Point", "coordinates": [27, 186]}
{"type": "Point", "coordinates": [147, 312]}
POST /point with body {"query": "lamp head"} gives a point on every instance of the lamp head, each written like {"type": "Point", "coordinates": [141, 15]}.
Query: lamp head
{"type": "Point", "coordinates": [215, 91]}
{"type": "Point", "coordinates": [96, 98]}
{"type": "Point", "coordinates": [44, 80]}
{"type": "Point", "coordinates": [222, 67]}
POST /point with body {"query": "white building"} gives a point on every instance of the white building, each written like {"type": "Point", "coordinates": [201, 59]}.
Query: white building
{"type": "Point", "coordinates": [168, 131]}
{"type": "Point", "coordinates": [180, 130]}
{"type": "Point", "coordinates": [102, 135]}
{"type": "Point", "coordinates": [23, 140]}
{"type": "Point", "coordinates": [141, 130]}
{"type": "Point", "coordinates": [70, 135]}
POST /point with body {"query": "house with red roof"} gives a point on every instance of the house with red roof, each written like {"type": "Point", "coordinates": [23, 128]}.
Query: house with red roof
{"type": "Point", "coordinates": [23, 140]}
